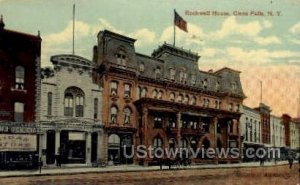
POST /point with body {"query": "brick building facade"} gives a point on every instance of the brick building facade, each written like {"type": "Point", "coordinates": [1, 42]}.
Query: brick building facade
{"type": "Point", "coordinates": [164, 100]}
{"type": "Point", "coordinates": [19, 95]}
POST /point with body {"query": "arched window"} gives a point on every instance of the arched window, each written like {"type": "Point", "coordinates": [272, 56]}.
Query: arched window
{"type": "Point", "coordinates": [180, 98]}
{"type": "Point", "coordinates": [172, 96]}
{"type": "Point", "coordinates": [157, 72]}
{"type": "Point", "coordinates": [154, 93]}
{"type": "Point", "coordinates": [205, 83]}
{"type": "Point", "coordinates": [186, 99]}
{"type": "Point", "coordinates": [157, 143]}
{"type": "Point", "coordinates": [138, 92]}
{"type": "Point", "coordinates": [144, 92]}
{"type": "Point", "coordinates": [121, 58]}
{"type": "Point", "coordinates": [79, 106]}
{"type": "Point", "coordinates": [217, 86]}
{"type": "Point", "coordinates": [74, 96]}
{"type": "Point", "coordinates": [142, 67]}
{"type": "Point", "coordinates": [127, 115]}
{"type": "Point", "coordinates": [193, 100]}
{"type": "Point", "coordinates": [19, 75]}
{"type": "Point", "coordinates": [127, 90]}
{"type": "Point", "coordinates": [114, 88]}
{"type": "Point", "coordinates": [182, 76]}
{"type": "Point", "coordinates": [193, 79]}
{"type": "Point", "coordinates": [49, 102]}
{"type": "Point", "coordinates": [113, 114]}
{"type": "Point", "coordinates": [159, 95]}
{"type": "Point", "coordinates": [68, 104]}
{"type": "Point", "coordinates": [172, 74]}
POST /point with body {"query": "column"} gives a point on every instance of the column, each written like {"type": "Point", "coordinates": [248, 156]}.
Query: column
{"type": "Point", "coordinates": [57, 143]}
{"type": "Point", "coordinates": [178, 126]}
{"type": "Point", "coordinates": [145, 125]}
{"type": "Point", "coordinates": [43, 146]}
{"type": "Point", "coordinates": [99, 146]}
{"type": "Point", "coordinates": [88, 142]}
{"type": "Point", "coordinates": [144, 132]}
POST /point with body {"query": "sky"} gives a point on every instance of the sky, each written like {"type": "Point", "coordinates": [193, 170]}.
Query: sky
{"type": "Point", "coordinates": [263, 47]}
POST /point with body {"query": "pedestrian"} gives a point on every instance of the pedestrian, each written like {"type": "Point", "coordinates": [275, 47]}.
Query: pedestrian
{"type": "Point", "coordinates": [290, 160]}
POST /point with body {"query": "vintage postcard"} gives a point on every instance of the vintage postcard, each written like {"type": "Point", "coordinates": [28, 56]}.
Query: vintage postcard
{"type": "Point", "coordinates": [149, 92]}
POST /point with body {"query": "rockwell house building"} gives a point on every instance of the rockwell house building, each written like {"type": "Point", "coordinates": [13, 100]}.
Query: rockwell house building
{"type": "Point", "coordinates": [164, 100]}
{"type": "Point", "coordinates": [70, 112]}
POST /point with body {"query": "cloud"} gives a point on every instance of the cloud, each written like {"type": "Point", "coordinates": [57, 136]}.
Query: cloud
{"type": "Point", "coordinates": [81, 29]}
{"type": "Point", "coordinates": [230, 27]}
{"type": "Point", "coordinates": [208, 52]}
{"type": "Point", "coordinates": [144, 37]}
{"type": "Point", "coordinates": [195, 35]}
{"type": "Point", "coordinates": [295, 28]}
{"type": "Point", "coordinates": [295, 41]}
{"type": "Point", "coordinates": [267, 24]}
{"type": "Point", "coordinates": [267, 40]}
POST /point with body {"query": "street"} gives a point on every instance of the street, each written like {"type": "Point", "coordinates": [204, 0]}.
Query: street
{"type": "Point", "coordinates": [251, 175]}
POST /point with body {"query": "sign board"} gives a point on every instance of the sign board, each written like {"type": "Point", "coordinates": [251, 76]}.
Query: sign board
{"type": "Point", "coordinates": [77, 136]}
{"type": "Point", "coordinates": [18, 142]}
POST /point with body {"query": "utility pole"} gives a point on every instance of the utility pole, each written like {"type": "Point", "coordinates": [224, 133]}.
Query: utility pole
{"type": "Point", "coordinates": [73, 51]}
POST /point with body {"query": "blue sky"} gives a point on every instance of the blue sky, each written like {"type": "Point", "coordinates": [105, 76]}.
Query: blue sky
{"type": "Point", "coordinates": [262, 47]}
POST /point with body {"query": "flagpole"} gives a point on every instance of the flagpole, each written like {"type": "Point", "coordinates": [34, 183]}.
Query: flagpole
{"type": "Point", "coordinates": [73, 51]}
{"type": "Point", "coordinates": [174, 29]}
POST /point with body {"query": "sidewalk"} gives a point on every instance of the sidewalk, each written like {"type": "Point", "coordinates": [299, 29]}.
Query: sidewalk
{"type": "Point", "coordinates": [126, 168]}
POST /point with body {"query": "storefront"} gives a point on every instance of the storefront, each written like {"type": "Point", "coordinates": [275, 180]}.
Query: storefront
{"type": "Point", "coordinates": [70, 142]}
{"type": "Point", "coordinates": [18, 146]}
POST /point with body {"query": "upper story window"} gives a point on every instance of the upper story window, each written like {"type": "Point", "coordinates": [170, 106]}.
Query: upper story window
{"type": "Point", "coordinates": [113, 88]}
{"type": "Point", "coordinates": [180, 98]}
{"type": "Point", "coordinates": [237, 109]}
{"type": "Point", "coordinates": [230, 108]}
{"type": "Point", "coordinates": [186, 99]}
{"type": "Point", "coordinates": [127, 115]}
{"type": "Point", "coordinates": [157, 143]}
{"type": "Point", "coordinates": [138, 92]}
{"type": "Point", "coordinates": [79, 106]}
{"type": "Point", "coordinates": [127, 90]}
{"type": "Point", "coordinates": [68, 104]}
{"type": "Point", "coordinates": [172, 96]}
{"type": "Point", "coordinates": [217, 86]}
{"type": "Point", "coordinates": [233, 86]}
{"type": "Point", "coordinates": [182, 76]}
{"type": "Point", "coordinates": [142, 67]}
{"type": "Point", "coordinates": [157, 72]}
{"type": "Point", "coordinates": [154, 93]}
{"type": "Point", "coordinates": [74, 95]}
{"type": "Point", "coordinates": [160, 94]}
{"type": "Point", "coordinates": [113, 114]}
{"type": "Point", "coordinates": [205, 83]}
{"type": "Point", "coordinates": [158, 121]}
{"type": "Point", "coordinates": [121, 58]}
{"type": "Point", "coordinates": [19, 112]}
{"type": "Point", "coordinates": [49, 102]}
{"type": "Point", "coordinates": [206, 102]}
{"type": "Point", "coordinates": [96, 101]}
{"type": "Point", "coordinates": [172, 74]}
{"type": "Point", "coordinates": [20, 75]}
{"type": "Point", "coordinates": [193, 79]}
{"type": "Point", "coordinates": [144, 92]}
{"type": "Point", "coordinates": [193, 100]}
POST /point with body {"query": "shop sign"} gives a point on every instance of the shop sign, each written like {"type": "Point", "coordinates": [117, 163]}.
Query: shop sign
{"type": "Point", "coordinates": [18, 142]}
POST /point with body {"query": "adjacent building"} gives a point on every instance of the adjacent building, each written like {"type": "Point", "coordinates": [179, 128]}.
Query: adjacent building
{"type": "Point", "coordinates": [19, 98]}
{"type": "Point", "coordinates": [70, 112]}
{"type": "Point", "coordinates": [164, 100]}
{"type": "Point", "coordinates": [265, 114]}
{"type": "Point", "coordinates": [277, 132]}
{"type": "Point", "coordinates": [251, 131]}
